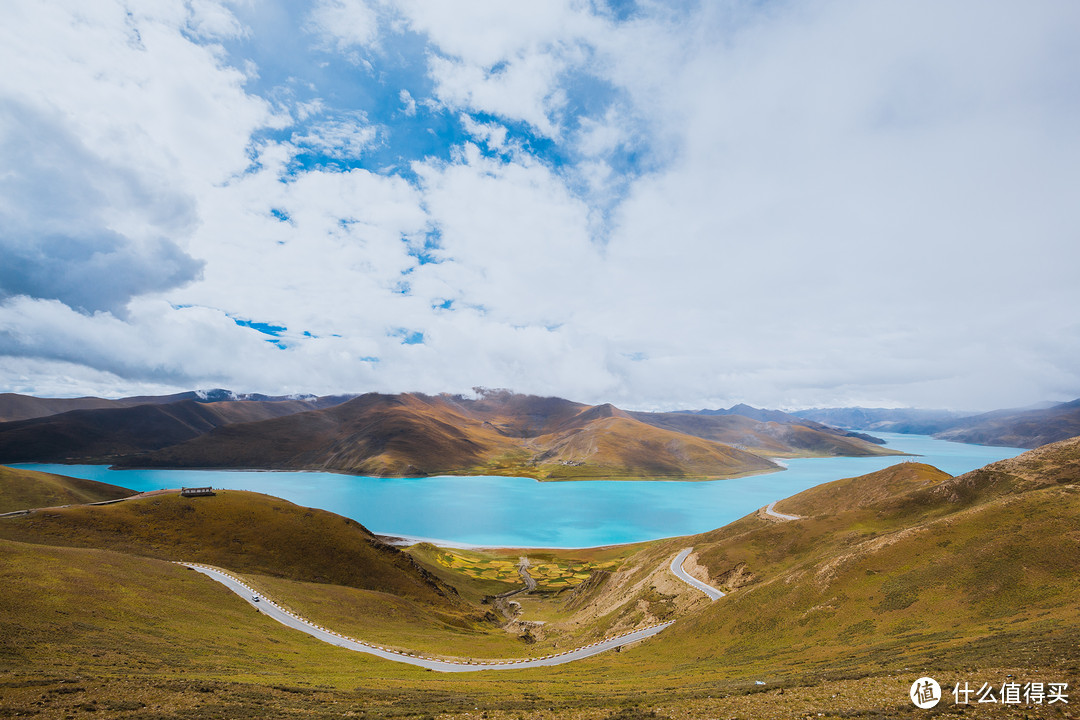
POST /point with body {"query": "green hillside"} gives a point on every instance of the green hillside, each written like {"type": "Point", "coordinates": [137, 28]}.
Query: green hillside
{"type": "Point", "coordinates": [903, 565]}
{"type": "Point", "coordinates": [25, 489]}
{"type": "Point", "coordinates": [241, 531]}
{"type": "Point", "coordinates": [885, 578]}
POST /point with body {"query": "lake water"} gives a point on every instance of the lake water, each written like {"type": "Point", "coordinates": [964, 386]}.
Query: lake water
{"type": "Point", "coordinates": [520, 512]}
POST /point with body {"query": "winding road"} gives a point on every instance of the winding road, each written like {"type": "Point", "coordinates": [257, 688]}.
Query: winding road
{"type": "Point", "coordinates": [771, 510]}
{"type": "Point", "coordinates": [270, 608]}
{"type": "Point", "coordinates": [677, 570]}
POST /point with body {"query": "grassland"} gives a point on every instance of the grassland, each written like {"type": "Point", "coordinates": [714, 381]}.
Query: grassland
{"type": "Point", "coordinates": [25, 489]}
{"type": "Point", "coordinates": [242, 531]}
{"type": "Point", "coordinates": [552, 573]}
{"type": "Point", "coordinates": [887, 577]}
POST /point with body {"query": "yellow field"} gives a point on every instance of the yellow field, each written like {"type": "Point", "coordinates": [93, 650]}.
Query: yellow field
{"type": "Point", "coordinates": [549, 575]}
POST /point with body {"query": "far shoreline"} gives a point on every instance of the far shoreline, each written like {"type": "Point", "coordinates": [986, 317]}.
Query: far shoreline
{"type": "Point", "coordinates": [404, 541]}
{"type": "Point", "coordinates": [690, 514]}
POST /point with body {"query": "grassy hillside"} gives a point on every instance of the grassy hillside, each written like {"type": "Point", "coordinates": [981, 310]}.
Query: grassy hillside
{"type": "Point", "coordinates": [93, 633]}
{"type": "Point", "coordinates": [865, 491]}
{"type": "Point", "coordinates": [241, 531]}
{"type": "Point", "coordinates": [903, 565]}
{"type": "Point", "coordinates": [25, 489]}
{"type": "Point", "coordinates": [624, 447]}
{"type": "Point", "coordinates": [887, 577]}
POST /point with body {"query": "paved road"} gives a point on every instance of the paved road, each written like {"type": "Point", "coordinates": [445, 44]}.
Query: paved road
{"type": "Point", "coordinates": [269, 608]}
{"type": "Point", "coordinates": [530, 583]}
{"type": "Point", "coordinates": [523, 571]}
{"type": "Point", "coordinates": [676, 568]}
{"type": "Point", "coordinates": [771, 510]}
{"type": "Point", "coordinates": [136, 496]}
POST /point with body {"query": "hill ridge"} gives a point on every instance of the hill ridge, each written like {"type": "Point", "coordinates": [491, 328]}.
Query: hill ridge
{"type": "Point", "coordinates": [414, 434]}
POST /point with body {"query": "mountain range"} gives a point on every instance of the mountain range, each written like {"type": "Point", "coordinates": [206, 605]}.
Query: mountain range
{"type": "Point", "coordinates": [1021, 427]}
{"type": "Point", "coordinates": [412, 434]}
{"type": "Point", "coordinates": [26, 407]}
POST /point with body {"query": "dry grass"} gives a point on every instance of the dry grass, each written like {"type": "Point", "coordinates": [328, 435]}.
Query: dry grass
{"type": "Point", "coordinates": [557, 573]}
{"type": "Point", "coordinates": [241, 531]}
{"type": "Point", "coordinates": [970, 579]}
{"type": "Point", "coordinates": [25, 489]}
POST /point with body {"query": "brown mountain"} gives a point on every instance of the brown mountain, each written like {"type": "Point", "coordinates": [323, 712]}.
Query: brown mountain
{"type": "Point", "coordinates": [26, 407]}
{"type": "Point", "coordinates": [1018, 428]}
{"type": "Point", "coordinates": [100, 435]}
{"type": "Point", "coordinates": [1029, 427]}
{"type": "Point", "coordinates": [501, 433]}
{"type": "Point", "coordinates": [790, 438]}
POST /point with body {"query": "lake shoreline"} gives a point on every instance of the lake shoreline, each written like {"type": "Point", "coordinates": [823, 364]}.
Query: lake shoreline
{"type": "Point", "coordinates": [500, 511]}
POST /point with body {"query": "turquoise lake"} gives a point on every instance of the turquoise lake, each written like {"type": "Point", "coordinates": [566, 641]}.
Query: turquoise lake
{"type": "Point", "coordinates": [520, 512]}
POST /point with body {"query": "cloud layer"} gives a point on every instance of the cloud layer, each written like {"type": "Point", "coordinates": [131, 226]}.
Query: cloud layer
{"type": "Point", "coordinates": [659, 206]}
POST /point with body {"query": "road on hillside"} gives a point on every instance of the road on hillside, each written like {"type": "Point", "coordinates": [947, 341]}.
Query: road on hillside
{"type": "Point", "coordinates": [771, 510]}
{"type": "Point", "coordinates": [136, 496]}
{"type": "Point", "coordinates": [523, 571]}
{"type": "Point", "coordinates": [676, 568]}
{"type": "Point", "coordinates": [267, 607]}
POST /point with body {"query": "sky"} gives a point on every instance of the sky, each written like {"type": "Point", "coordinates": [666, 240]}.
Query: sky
{"type": "Point", "coordinates": [656, 204]}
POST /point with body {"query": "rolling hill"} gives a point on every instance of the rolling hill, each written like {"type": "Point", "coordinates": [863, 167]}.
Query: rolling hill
{"type": "Point", "coordinates": [101, 435]}
{"type": "Point", "coordinates": [25, 489]}
{"type": "Point", "coordinates": [505, 434]}
{"type": "Point", "coordinates": [239, 530]}
{"type": "Point", "coordinates": [784, 438]}
{"type": "Point", "coordinates": [905, 565]}
{"type": "Point", "coordinates": [898, 420]}
{"type": "Point", "coordinates": [783, 418]}
{"type": "Point", "coordinates": [498, 432]}
{"type": "Point", "coordinates": [886, 577]}
{"type": "Point", "coordinates": [1024, 427]}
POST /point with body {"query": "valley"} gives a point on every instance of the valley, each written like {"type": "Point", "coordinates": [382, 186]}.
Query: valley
{"type": "Point", "coordinates": [905, 570]}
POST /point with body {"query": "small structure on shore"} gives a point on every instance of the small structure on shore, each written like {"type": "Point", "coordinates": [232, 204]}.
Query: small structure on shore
{"type": "Point", "coordinates": [196, 492]}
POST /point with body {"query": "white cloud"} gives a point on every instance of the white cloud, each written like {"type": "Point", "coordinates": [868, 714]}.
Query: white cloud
{"type": "Point", "coordinates": [601, 136]}
{"type": "Point", "coordinates": [833, 203]}
{"type": "Point", "coordinates": [303, 110]}
{"type": "Point", "coordinates": [345, 23]}
{"type": "Point", "coordinates": [491, 134]}
{"type": "Point", "coordinates": [408, 102]}
{"type": "Point", "coordinates": [339, 139]}
{"type": "Point", "coordinates": [524, 89]}
{"type": "Point", "coordinates": [212, 20]}
{"type": "Point", "coordinates": [486, 32]}
{"type": "Point", "coordinates": [492, 57]}
{"type": "Point", "coordinates": [516, 242]}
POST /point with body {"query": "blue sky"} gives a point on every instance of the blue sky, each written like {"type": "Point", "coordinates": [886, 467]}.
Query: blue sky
{"type": "Point", "coordinates": [657, 204]}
